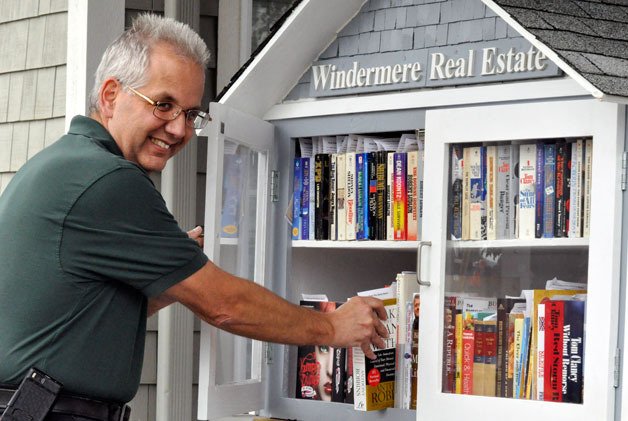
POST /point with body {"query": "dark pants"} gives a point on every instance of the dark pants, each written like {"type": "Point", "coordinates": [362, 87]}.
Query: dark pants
{"type": "Point", "coordinates": [61, 417]}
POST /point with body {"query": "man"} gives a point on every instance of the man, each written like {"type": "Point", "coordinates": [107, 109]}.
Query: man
{"type": "Point", "coordinates": [88, 248]}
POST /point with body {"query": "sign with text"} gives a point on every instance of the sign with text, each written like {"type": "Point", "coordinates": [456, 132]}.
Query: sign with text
{"type": "Point", "coordinates": [503, 60]}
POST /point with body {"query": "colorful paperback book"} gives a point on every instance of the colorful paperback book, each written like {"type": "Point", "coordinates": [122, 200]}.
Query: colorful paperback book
{"type": "Point", "coordinates": [539, 190]}
{"type": "Point", "coordinates": [588, 165]}
{"type": "Point", "coordinates": [341, 194]}
{"type": "Point", "coordinates": [504, 210]}
{"type": "Point", "coordinates": [296, 199]}
{"type": "Point", "coordinates": [399, 196]}
{"type": "Point", "coordinates": [361, 197]}
{"type": "Point", "coordinates": [549, 199]}
{"type": "Point", "coordinates": [306, 198]}
{"type": "Point", "coordinates": [476, 194]}
{"type": "Point", "coordinates": [321, 196]}
{"type": "Point", "coordinates": [491, 192]}
{"type": "Point", "coordinates": [455, 193]}
{"type": "Point", "coordinates": [527, 194]}
{"type": "Point", "coordinates": [374, 380]}
{"type": "Point", "coordinates": [350, 205]}
{"type": "Point", "coordinates": [466, 192]}
{"type": "Point", "coordinates": [561, 190]}
{"type": "Point", "coordinates": [553, 373]}
{"type": "Point", "coordinates": [412, 185]}
{"type": "Point", "coordinates": [575, 195]}
{"type": "Point", "coordinates": [390, 170]}
{"type": "Point", "coordinates": [380, 199]}
{"type": "Point", "coordinates": [333, 190]}
{"type": "Point", "coordinates": [573, 350]}
{"type": "Point", "coordinates": [504, 307]}
{"type": "Point", "coordinates": [371, 211]}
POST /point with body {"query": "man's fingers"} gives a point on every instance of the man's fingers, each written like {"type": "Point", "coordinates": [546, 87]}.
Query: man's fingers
{"type": "Point", "coordinates": [380, 329]}
{"type": "Point", "coordinates": [378, 307]}
{"type": "Point", "coordinates": [368, 352]}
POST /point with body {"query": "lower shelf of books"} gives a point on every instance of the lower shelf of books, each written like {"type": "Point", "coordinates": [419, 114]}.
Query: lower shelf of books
{"type": "Point", "coordinates": [306, 410]}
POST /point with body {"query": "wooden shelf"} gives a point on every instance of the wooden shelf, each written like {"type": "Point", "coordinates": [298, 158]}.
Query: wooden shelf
{"type": "Point", "coordinates": [365, 245]}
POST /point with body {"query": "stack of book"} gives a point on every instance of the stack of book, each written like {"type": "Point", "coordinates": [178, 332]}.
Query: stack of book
{"type": "Point", "coordinates": [525, 191]}
{"type": "Point", "coordinates": [528, 347]}
{"type": "Point", "coordinates": [356, 187]}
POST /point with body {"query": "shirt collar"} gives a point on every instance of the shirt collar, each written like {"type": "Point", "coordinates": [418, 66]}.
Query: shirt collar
{"type": "Point", "coordinates": [86, 126]}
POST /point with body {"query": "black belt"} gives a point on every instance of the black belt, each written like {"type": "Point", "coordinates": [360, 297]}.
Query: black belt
{"type": "Point", "coordinates": [82, 407]}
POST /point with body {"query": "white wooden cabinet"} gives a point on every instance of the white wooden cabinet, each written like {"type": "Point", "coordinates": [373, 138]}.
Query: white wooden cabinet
{"type": "Point", "coordinates": [263, 377]}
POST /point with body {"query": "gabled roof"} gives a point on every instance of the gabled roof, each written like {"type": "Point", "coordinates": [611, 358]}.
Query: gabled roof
{"type": "Point", "coordinates": [590, 37]}
{"type": "Point", "coordinates": [587, 39]}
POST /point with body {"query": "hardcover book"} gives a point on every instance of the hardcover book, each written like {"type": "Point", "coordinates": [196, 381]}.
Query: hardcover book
{"type": "Point", "coordinates": [549, 200]}
{"type": "Point", "coordinates": [573, 350]}
{"type": "Point", "coordinates": [527, 194]}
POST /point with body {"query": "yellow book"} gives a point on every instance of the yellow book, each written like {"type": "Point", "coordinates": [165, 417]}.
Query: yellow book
{"type": "Point", "coordinates": [459, 323]}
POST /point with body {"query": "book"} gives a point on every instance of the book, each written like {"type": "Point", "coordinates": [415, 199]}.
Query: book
{"type": "Point", "coordinates": [306, 197]}
{"type": "Point", "coordinates": [527, 195]}
{"type": "Point", "coordinates": [514, 353]}
{"type": "Point", "coordinates": [504, 202]}
{"type": "Point", "coordinates": [553, 373]}
{"type": "Point", "coordinates": [399, 196]}
{"type": "Point", "coordinates": [414, 372]}
{"type": "Point", "coordinates": [491, 192]}
{"type": "Point", "coordinates": [476, 194]}
{"type": "Point", "coordinates": [466, 192]}
{"type": "Point", "coordinates": [421, 177]}
{"type": "Point", "coordinates": [350, 205]}
{"type": "Point", "coordinates": [371, 202]}
{"type": "Point", "coordinates": [315, 362]}
{"type": "Point", "coordinates": [575, 194]}
{"type": "Point", "coordinates": [339, 373]}
{"type": "Point", "coordinates": [567, 188]}
{"type": "Point", "coordinates": [573, 350]}
{"type": "Point", "coordinates": [504, 307]}
{"type": "Point", "coordinates": [539, 190]}
{"type": "Point", "coordinates": [455, 193]}
{"type": "Point", "coordinates": [380, 199]}
{"type": "Point", "coordinates": [560, 189]}
{"type": "Point", "coordinates": [341, 192]}
{"type": "Point", "coordinates": [514, 191]}
{"type": "Point", "coordinates": [412, 187]}
{"type": "Point", "coordinates": [408, 305]}
{"type": "Point", "coordinates": [374, 380]}
{"type": "Point", "coordinates": [321, 196]}
{"type": "Point", "coordinates": [296, 199]}
{"type": "Point", "coordinates": [588, 165]}
{"type": "Point", "coordinates": [490, 357]}
{"type": "Point", "coordinates": [361, 196]}
{"type": "Point", "coordinates": [549, 196]}
{"type": "Point", "coordinates": [459, 328]}
{"type": "Point", "coordinates": [333, 190]}
{"type": "Point", "coordinates": [540, 351]}
{"type": "Point", "coordinates": [478, 357]}
{"type": "Point", "coordinates": [449, 345]}
{"type": "Point", "coordinates": [390, 170]}
{"type": "Point", "coordinates": [467, 351]}
{"type": "Point", "coordinates": [349, 377]}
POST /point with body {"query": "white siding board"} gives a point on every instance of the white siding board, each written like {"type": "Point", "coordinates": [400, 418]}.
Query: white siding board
{"type": "Point", "coordinates": [44, 7]}
{"type": "Point", "coordinates": [15, 96]}
{"type": "Point", "coordinates": [29, 88]}
{"type": "Point", "coordinates": [36, 36]}
{"type": "Point", "coordinates": [6, 134]}
{"type": "Point", "coordinates": [5, 178]}
{"type": "Point", "coordinates": [13, 10]}
{"type": "Point", "coordinates": [149, 367]}
{"type": "Point", "coordinates": [58, 107]}
{"type": "Point", "coordinates": [45, 93]}
{"type": "Point", "coordinates": [58, 6]}
{"type": "Point", "coordinates": [19, 146]}
{"type": "Point", "coordinates": [54, 129]}
{"type": "Point", "coordinates": [55, 43]}
{"type": "Point", "coordinates": [152, 403]}
{"type": "Point", "coordinates": [4, 96]}
{"type": "Point", "coordinates": [140, 404]}
{"type": "Point", "coordinates": [36, 137]}
{"type": "Point", "coordinates": [14, 37]}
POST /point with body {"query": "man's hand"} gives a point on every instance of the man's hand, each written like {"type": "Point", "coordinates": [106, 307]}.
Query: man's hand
{"type": "Point", "coordinates": [358, 322]}
{"type": "Point", "coordinates": [197, 234]}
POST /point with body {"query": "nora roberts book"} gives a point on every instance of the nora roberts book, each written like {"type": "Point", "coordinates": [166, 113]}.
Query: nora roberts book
{"type": "Point", "coordinates": [374, 380]}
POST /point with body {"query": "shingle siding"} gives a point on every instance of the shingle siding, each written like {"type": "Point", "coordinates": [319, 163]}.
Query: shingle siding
{"type": "Point", "coordinates": [384, 26]}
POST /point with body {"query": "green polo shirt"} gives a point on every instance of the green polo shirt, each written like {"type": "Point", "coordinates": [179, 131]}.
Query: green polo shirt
{"type": "Point", "coordinates": [85, 239]}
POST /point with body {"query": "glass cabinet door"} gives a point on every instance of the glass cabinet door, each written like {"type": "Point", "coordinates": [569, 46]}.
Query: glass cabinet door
{"type": "Point", "coordinates": [237, 239]}
{"type": "Point", "coordinates": [524, 212]}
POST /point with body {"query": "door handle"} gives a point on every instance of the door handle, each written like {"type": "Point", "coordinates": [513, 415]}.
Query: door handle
{"type": "Point", "coordinates": [418, 263]}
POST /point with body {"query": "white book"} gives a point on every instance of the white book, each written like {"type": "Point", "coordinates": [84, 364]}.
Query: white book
{"type": "Point", "coordinates": [350, 197]}
{"type": "Point", "coordinates": [540, 352]}
{"type": "Point", "coordinates": [504, 204]}
{"type": "Point", "coordinates": [527, 189]}
{"type": "Point", "coordinates": [333, 188]}
{"type": "Point", "coordinates": [588, 165]}
{"type": "Point", "coordinates": [466, 173]}
{"type": "Point", "coordinates": [390, 167]}
{"type": "Point", "coordinates": [341, 191]}
{"type": "Point", "coordinates": [491, 192]}
{"type": "Point", "coordinates": [476, 188]}
{"type": "Point", "coordinates": [575, 193]}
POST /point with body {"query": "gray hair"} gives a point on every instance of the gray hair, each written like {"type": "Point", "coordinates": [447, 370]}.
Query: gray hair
{"type": "Point", "coordinates": [127, 58]}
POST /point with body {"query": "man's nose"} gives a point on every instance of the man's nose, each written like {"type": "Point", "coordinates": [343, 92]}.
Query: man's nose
{"type": "Point", "coordinates": [177, 126]}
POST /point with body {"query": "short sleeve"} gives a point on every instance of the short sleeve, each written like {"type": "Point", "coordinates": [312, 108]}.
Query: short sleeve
{"type": "Point", "coordinates": [120, 230]}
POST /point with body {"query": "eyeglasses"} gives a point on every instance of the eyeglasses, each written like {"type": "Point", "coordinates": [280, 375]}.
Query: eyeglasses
{"type": "Point", "coordinates": [169, 111]}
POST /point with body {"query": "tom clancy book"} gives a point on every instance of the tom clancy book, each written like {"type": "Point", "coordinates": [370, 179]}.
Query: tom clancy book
{"type": "Point", "coordinates": [374, 380]}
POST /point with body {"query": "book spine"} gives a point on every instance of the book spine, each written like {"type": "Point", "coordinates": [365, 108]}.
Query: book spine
{"type": "Point", "coordinates": [490, 358]}
{"type": "Point", "coordinates": [559, 189]}
{"type": "Point", "coordinates": [466, 192]}
{"type": "Point", "coordinates": [421, 178]}
{"type": "Point", "coordinates": [491, 192]}
{"type": "Point", "coordinates": [449, 346]}
{"type": "Point", "coordinates": [459, 330]}
{"type": "Point", "coordinates": [539, 190]}
{"type": "Point", "coordinates": [575, 197]}
{"type": "Point", "coordinates": [305, 199]}
{"type": "Point", "coordinates": [296, 199]}
{"type": "Point", "coordinates": [468, 347]}
{"type": "Point", "coordinates": [549, 201]}
{"type": "Point", "coordinates": [339, 373]}
{"type": "Point", "coordinates": [390, 170]}
{"type": "Point", "coordinates": [399, 196]}
{"type": "Point", "coordinates": [527, 196]}
{"type": "Point", "coordinates": [361, 232]}
{"type": "Point", "coordinates": [503, 195]}
{"type": "Point", "coordinates": [514, 191]}
{"type": "Point", "coordinates": [573, 351]}
{"type": "Point", "coordinates": [350, 208]}
{"type": "Point", "coordinates": [412, 181]}
{"type": "Point", "coordinates": [455, 230]}
{"type": "Point", "coordinates": [372, 196]}
{"type": "Point", "coordinates": [483, 197]}
{"type": "Point", "coordinates": [552, 389]}
{"type": "Point", "coordinates": [478, 358]}
{"type": "Point", "coordinates": [381, 195]}
{"type": "Point", "coordinates": [567, 188]}
{"type": "Point", "coordinates": [333, 191]}
{"type": "Point", "coordinates": [321, 205]}
{"type": "Point", "coordinates": [359, 379]}
{"type": "Point", "coordinates": [476, 192]}
{"type": "Point", "coordinates": [540, 352]}
{"type": "Point", "coordinates": [588, 164]}
{"type": "Point", "coordinates": [312, 202]}
{"type": "Point", "coordinates": [516, 384]}
{"type": "Point", "coordinates": [341, 200]}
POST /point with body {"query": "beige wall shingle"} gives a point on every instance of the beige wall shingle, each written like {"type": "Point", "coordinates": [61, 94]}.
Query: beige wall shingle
{"type": "Point", "coordinates": [45, 93]}
{"type": "Point", "coordinates": [6, 136]}
{"type": "Point", "coordinates": [19, 146]}
{"type": "Point", "coordinates": [36, 137]}
{"type": "Point", "coordinates": [35, 42]}
{"type": "Point", "coordinates": [14, 36]}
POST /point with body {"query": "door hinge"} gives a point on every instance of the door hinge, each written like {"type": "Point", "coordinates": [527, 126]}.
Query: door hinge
{"type": "Point", "coordinates": [274, 186]}
{"type": "Point", "coordinates": [268, 353]}
{"type": "Point", "coordinates": [617, 367]}
{"type": "Point", "coordinates": [624, 165]}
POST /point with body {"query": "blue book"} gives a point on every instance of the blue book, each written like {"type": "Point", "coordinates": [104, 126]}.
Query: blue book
{"type": "Point", "coordinates": [361, 196]}
{"type": "Point", "coordinates": [296, 199]}
{"type": "Point", "coordinates": [539, 190]}
{"type": "Point", "coordinates": [305, 199]}
{"type": "Point", "coordinates": [549, 200]}
{"type": "Point", "coordinates": [483, 192]}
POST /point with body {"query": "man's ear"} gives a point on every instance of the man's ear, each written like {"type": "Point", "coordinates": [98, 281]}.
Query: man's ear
{"type": "Point", "coordinates": [107, 95]}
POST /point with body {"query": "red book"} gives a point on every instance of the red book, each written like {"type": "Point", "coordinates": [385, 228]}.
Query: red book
{"type": "Point", "coordinates": [553, 371]}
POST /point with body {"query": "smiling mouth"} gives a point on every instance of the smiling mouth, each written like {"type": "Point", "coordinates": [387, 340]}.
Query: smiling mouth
{"type": "Point", "coordinates": [159, 143]}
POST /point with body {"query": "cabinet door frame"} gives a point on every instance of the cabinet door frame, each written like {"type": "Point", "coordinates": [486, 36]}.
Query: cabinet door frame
{"type": "Point", "coordinates": [228, 124]}
{"type": "Point", "coordinates": [528, 121]}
